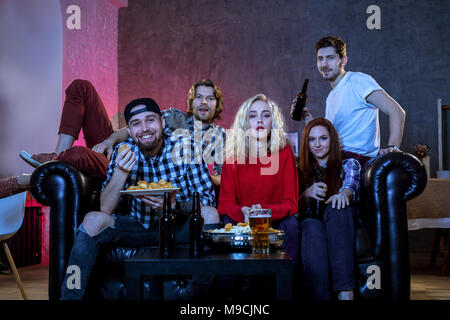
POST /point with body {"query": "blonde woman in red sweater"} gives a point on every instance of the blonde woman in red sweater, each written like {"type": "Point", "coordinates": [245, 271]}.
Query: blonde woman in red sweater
{"type": "Point", "coordinates": [260, 170]}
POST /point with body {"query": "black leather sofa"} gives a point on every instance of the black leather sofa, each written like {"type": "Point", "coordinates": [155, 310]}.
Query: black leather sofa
{"type": "Point", "coordinates": [381, 252]}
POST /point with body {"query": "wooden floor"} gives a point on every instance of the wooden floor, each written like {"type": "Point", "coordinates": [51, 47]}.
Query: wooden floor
{"type": "Point", "coordinates": [426, 282]}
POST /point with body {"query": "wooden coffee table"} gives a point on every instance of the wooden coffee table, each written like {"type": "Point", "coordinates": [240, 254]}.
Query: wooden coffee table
{"type": "Point", "coordinates": [150, 264]}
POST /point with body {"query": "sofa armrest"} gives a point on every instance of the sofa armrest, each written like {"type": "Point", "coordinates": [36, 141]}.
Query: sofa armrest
{"type": "Point", "coordinates": [388, 181]}
{"type": "Point", "coordinates": [374, 175]}
{"type": "Point", "coordinates": [70, 195]}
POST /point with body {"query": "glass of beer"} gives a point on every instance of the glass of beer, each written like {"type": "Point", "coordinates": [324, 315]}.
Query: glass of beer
{"type": "Point", "coordinates": [260, 223]}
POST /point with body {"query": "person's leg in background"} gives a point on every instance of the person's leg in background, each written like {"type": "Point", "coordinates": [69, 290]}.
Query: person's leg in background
{"type": "Point", "coordinates": [82, 109]}
{"type": "Point", "coordinates": [14, 185]}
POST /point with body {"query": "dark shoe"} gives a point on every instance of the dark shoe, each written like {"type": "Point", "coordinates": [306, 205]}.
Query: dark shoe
{"type": "Point", "coordinates": [35, 160]}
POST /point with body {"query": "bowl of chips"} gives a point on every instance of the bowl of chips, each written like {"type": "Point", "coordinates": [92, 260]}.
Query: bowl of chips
{"type": "Point", "coordinates": [239, 237]}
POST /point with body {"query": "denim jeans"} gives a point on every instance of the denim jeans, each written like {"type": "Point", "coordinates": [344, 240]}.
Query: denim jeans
{"type": "Point", "coordinates": [127, 231]}
{"type": "Point", "coordinates": [327, 251]}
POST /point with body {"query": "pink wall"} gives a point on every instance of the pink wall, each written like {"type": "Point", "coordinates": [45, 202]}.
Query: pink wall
{"type": "Point", "coordinates": [91, 52]}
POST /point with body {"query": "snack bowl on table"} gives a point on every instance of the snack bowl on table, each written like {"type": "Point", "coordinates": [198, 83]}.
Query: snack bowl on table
{"type": "Point", "coordinates": [239, 241]}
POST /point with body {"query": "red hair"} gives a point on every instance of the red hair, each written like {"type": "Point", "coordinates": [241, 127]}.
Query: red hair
{"type": "Point", "coordinates": [332, 172]}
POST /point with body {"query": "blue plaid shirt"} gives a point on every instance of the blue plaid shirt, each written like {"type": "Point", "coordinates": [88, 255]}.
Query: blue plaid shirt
{"type": "Point", "coordinates": [352, 170]}
{"type": "Point", "coordinates": [186, 175]}
{"type": "Point", "coordinates": [211, 137]}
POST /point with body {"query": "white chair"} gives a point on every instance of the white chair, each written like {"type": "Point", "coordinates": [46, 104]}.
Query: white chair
{"type": "Point", "coordinates": [11, 217]}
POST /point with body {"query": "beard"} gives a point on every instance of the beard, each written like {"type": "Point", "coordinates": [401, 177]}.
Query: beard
{"type": "Point", "coordinates": [335, 75]}
{"type": "Point", "coordinates": [203, 116]}
{"type": "Point", "coordinates": [151, 146]}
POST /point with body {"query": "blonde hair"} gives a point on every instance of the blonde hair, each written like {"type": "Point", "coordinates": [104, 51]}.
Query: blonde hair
{"type": "Point", "coordinates": [237, 144]}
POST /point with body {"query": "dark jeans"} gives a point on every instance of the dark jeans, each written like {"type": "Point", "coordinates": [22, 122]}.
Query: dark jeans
{"type": "Point", "coordinates": [327, 251]}
{"type": "Point", "coordinates": [127, 231]}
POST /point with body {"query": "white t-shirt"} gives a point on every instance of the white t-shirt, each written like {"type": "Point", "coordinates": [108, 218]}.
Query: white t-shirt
{"type": "Point", "coordinates": [355, 119]}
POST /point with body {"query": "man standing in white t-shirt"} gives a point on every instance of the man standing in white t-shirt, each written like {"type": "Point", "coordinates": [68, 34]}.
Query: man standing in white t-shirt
{"type": "Point", "coordinates": [353, 103]}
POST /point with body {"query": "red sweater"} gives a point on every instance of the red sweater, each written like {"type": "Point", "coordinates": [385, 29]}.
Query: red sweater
{"type": "Point", "coordinates": [243, 185]}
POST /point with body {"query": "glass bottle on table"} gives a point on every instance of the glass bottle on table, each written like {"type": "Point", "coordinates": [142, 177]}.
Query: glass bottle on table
{"type": "Point", "coordinates": [167, 228]}
{"type": "Point", "coordinates": [196, 222]}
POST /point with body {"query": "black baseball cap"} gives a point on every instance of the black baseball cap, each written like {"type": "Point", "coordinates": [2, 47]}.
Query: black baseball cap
{"type": "Point", "coordinates": [149, 103]}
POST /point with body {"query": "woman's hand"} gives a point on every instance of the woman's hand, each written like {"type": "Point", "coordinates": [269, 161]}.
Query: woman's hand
{"type": "Point", "coordinates": [245, 211]}
{"type": "Point", "coordinates": [339, 201]}
{"type": "Point", "coordinates": [317, 191]}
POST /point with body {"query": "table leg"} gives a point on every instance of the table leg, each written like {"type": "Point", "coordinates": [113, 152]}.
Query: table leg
{"type": "Point", "coordinates": [133, 286]}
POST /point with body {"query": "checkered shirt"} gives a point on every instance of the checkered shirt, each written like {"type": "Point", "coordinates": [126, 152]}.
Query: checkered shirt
{"type": "Point", "coordinates": [188, 176]}
{"type": "Point", "coordinates": [351, 177]}
{"type": "Point", "coordinates": [211, 137]}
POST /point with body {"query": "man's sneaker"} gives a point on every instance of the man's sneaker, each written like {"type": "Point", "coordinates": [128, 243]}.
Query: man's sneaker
{"type": "Point", "coordinates": [35, 160]}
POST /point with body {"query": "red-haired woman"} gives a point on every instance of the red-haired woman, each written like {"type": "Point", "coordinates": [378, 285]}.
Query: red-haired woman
{"type": "Point", "coordinates": [327, 187]}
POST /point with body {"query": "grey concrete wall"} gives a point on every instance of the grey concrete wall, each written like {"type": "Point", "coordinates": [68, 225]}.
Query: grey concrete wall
{"type": "Point", "coordinates": [255, 46]}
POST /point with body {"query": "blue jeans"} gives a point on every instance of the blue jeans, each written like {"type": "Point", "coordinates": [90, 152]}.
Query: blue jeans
{"type": "Point", "coordinates": [127, 231]}
{"type": "Point", "coordinates": [327, 250]}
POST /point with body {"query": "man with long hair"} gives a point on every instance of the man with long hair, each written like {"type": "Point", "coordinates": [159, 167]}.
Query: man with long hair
{"type": "Point", "coordinates": [205, 105]}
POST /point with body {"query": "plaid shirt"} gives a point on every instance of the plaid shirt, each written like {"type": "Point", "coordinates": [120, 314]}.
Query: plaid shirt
{"type": "Point", "coordinates": [187, 176]}
{"type": "Point", "coordinates": [350, 181]}
{"type": "Point", "coordinates": [211, 137]}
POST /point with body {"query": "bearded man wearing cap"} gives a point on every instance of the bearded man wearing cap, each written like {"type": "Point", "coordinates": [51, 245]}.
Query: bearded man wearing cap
{"type": "Point", "coordinates": [148, 156]}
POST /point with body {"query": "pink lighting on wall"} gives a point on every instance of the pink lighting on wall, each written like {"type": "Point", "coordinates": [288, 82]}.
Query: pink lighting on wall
{"type": "Point", "coordinates": [90, 52]}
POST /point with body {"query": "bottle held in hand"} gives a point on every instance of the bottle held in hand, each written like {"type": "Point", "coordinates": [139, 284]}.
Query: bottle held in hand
{"type": "Point", "coordinates": [196, 222]}
{"type": "Point", "coordinates": [298, 113]}
{"type": "Point", "coordinates": [167, 228]}
{"type": "Point", "coordinates": [320, 204]}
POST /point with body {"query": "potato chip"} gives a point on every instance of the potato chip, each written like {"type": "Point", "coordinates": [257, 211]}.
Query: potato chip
{"type": "Point", "coordinates": [144, 185]}
{"type": "Point", "coordinates": [123, 148]}
{"type": "Point", "coordinates": [239, 228]}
